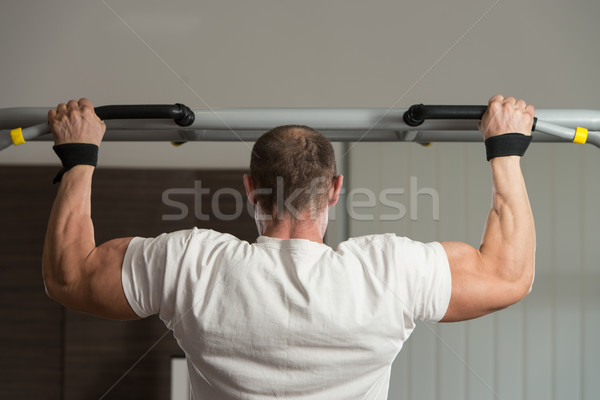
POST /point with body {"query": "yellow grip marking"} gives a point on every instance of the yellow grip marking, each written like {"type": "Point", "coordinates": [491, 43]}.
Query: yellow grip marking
{"type": "Point", "coordinates": [17, 136]}
{"type": "Point", "coordinates": [581, 135]}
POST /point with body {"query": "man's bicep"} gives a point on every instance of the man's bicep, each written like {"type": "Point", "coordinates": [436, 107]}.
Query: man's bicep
{"type": "Point", "coordinates": [101, 292]}
{"type": "Point", "coordinates": [477, 289]}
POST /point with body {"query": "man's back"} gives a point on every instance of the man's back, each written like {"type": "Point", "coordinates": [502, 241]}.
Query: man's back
{"type": "Point", "coordinates": [287, 318]}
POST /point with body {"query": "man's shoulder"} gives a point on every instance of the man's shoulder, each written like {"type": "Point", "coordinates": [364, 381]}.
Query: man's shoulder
{"type": "Point", "coordinates": [389, 242]}
{"type": "Point", "coordinates": [202, 233]}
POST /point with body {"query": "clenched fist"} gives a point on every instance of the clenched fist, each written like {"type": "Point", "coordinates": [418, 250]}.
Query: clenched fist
{"type": "Point", "coordinates": [506, 115]}
{"type": "Point", "coordinates": [76, 122]}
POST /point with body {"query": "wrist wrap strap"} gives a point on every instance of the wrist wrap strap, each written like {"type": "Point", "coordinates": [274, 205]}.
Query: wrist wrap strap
{"type": "Point", "coordinates": [72, 154]}
{"type": "Point", "coordinates": [509, 144]}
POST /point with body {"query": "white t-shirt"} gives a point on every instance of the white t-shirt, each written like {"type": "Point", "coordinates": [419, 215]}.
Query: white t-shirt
{"type": "Point", "coordinates": [282, 319]}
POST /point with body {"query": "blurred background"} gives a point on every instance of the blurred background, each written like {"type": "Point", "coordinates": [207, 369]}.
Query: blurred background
{"type": "Point", "coordinates": [267, 53]}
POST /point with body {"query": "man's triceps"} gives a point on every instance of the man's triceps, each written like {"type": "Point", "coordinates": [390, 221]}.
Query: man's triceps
{"type": "Point", "coordinates": [102, 293]}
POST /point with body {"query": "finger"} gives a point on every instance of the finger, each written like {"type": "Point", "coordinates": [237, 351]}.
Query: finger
{"type": "Point", "coordinates": [85, 103]}
{"type": "Point", "coordinates": [88, 108]}
{"type": "Point", "coordinates": [521, 104]}
{"type": "Point", "coordinates": [510, 100]}
{"type": "Point", "coordinates": [493, 106]}
{"type": "Point", "coordinates": [530, 110]}
{"type": "Point", "coordinates": [496, 99]}
{"type": "Point", "coordinates": [61, 108]}
{"type": "Point", "coordinates": [52, 119]}
{"type": "Point", "coordinates": [72, 105]}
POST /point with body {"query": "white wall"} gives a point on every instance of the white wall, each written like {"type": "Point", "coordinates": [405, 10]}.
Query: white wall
{"type": "Point", "coordinates": [365, 54]}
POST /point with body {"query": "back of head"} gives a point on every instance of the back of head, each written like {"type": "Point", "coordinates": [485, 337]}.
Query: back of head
{"type": "Point", "coordinates": [293, 168]}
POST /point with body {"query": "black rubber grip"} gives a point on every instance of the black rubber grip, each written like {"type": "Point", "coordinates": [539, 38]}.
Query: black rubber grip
{"type": "Point", "coordinates": [418, 113]}
{"type": "Point", "coordinates": [180, 113]}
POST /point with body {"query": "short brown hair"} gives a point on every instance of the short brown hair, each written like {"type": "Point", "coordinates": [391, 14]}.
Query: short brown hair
{"type": "Point", "coordinates": [297, 162]}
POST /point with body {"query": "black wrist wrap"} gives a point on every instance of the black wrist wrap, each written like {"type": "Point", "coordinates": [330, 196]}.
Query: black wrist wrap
{"type": "Point", "coordinates": [72, 154]}
{"type": "Point", "coordinates": [509, 144]}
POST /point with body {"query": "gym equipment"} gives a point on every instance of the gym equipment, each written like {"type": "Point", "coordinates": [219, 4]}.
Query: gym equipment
{"type": "Point", "coordinates": [419, 123]}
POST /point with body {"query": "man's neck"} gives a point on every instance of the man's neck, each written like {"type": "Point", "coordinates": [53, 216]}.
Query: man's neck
{"type": "Point", "coordinates": [288, 228]}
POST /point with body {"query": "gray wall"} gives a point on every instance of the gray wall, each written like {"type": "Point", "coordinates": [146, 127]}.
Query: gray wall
{"type": "Point", "coordinates": [366, 54]}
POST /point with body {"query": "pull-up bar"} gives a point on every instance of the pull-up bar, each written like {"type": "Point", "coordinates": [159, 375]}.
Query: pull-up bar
{"type": "Point", "coordinates": [419, 123]}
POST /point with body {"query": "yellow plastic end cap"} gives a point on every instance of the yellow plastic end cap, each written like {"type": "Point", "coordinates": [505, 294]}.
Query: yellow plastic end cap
{"type": "Point", "coordinates": [17, 136]}
{"type": "Point", "coordinates": [581, 135]}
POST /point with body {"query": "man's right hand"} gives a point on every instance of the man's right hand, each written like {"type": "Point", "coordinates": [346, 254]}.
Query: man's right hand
{"type": "Point", "coordinates": [76, 122]}
{"type": "Point", "coordinates": [506, 115]}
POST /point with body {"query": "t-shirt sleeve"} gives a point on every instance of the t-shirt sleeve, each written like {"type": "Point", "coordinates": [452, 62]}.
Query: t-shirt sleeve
{"type": "Point", "coordinates": [435, 284]}
{"type": "Point", "coordinates": [424, 277]}
{"type": "Point", "coordinates": [149, 269]}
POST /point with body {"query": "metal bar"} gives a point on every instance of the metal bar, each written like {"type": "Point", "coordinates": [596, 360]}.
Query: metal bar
{"type": "Point", "coordinates": [334, 136]}
{"type": "Point", "coordinates": [342, 125]}
{"type": "Point", "coordinates": [555, 130]}
{"type": "Point", "coordinates": [319, 118]}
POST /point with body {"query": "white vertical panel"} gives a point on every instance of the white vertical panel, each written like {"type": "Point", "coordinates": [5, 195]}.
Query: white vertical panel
{"type": "Point", "coordinates": [401, 375]}
{"type": "Point", "coordinates": [180, 380]}
{"type": "Point", "coordinates": [568, 316]}
{"type": "Point", "coordinates": [480, 358]}
{"type": "Point", "coordinates": [509, 346]}
{"type": "Point", "coordinates": [422, 193]}
{"type": "Point", "coordinates": [591, 268]}
{"type": "Point", "coordinates": [452, 352]}
{"type": "Point", "coordinates": [395, 173]}
{"type": "Point", "coordinates": [480, 332]}
{"type": "Point", "coordinates": [539, 343]}
{"type": "Point", "coordinates": [453, 362]}
{"type": "Point", "coordinates": [365, 173]}
{"type": "Point", "coordinates": [423, 362]}
{"type": "Point", "coordinates": [538, 169]}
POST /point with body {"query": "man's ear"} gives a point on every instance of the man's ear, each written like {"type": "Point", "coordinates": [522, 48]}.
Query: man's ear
{"type": "Point", "coordinates": [334, 193]}
{"type": "Point", "coordinates": [249, 185]}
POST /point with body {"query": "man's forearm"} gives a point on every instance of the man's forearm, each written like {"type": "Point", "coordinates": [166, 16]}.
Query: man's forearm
{"type": "Point", "coordinates": [70, 233]}
{"type": "Point", "coordinates": [508, 243]}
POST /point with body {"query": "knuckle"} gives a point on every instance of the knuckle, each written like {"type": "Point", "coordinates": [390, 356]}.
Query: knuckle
{"type": "Point", "coordinates": [495, 105]}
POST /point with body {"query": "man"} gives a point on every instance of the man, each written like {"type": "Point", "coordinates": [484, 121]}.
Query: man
{"type": "Point", "coordinates": [288, 317]}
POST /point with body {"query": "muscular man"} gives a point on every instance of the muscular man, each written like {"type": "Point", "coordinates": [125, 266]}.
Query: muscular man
{"type": "Point", "coordinates": [287, 316]}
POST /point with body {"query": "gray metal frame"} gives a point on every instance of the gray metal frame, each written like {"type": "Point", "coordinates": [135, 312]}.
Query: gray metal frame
{"type": "Point", "coordinates": [339, 124]}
